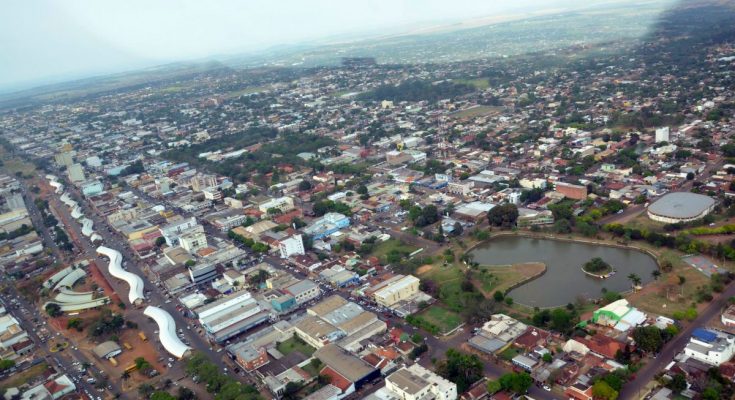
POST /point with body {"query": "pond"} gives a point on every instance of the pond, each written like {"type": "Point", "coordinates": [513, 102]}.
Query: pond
{"type": "Point", "coordinates": [564, 280]}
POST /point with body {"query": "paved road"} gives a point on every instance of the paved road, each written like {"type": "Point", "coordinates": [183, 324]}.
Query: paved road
{"type": "Point", "coordinates": [634, 388]}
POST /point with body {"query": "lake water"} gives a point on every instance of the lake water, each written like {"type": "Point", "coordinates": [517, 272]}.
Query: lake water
{"type": "Point", "coordinates": [564, 280]}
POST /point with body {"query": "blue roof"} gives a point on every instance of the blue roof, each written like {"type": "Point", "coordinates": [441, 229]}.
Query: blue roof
{"type": "Point", "coordinates": [704, 335]}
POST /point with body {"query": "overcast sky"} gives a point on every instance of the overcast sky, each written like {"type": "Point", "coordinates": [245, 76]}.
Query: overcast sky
{"type": "Point", "coordinates": [42, 40]}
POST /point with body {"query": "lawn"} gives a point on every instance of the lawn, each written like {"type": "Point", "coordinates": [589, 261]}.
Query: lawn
{"type": "Point", "coordinates": [509, 353]}
{"type": "Point", "coordinates": [382, 249]}
{"type": "Point", "coordinates": [477, 111]}
{"type": "Point", "coordinates": [295, 344]}
{"type": "Point", "coordinates": [445, 319]}
{"type": "Point", "coordinates": [11, 165]}
{"type": "Point", "coordinates": [23, 377]}
{"type": "Point", "coordinates": [477, 83]}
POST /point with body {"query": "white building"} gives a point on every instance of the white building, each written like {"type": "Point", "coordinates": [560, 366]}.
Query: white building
{"type": "Point", "coordinates": [175, 229]}
{"type": "Point", "coordinates": [193, 241]}
{"type": "Point", "coordinates": [662, 134]}
{"type": "Point", "coordinates": [460, 188]}
{"type": "Point", "coordinates": [398, 288]}
{"type": "Point", "coordinates": [281, 204]}
{"type": "Point", "coordinates": [710, 346]}
{"type": "Point", "coordinates": [416, 383]}
{"type": "Point", "coordinates": [291, 246]}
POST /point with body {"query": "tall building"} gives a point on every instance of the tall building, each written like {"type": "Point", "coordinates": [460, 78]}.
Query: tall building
{"type": "Point", "coordinates": [662, 134]}
{"type": "Point", "coordinates": [291, 246]}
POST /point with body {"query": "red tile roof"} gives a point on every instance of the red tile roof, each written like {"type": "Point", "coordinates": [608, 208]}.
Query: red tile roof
{"type": "Point", "coordinates": [336, 379]}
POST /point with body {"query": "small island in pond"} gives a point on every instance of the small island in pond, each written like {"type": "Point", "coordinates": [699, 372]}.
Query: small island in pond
{"type": "Point", "coordinates": [598, 268]}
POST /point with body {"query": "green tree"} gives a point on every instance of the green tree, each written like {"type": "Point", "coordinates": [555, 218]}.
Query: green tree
{"type": "Point", "coordinates": [53, 310]}
{"type": "Point", "coordinates": [601, 390]}
{"type": "Point", "coordinates": [648, 338]}
{"type": "Point", "coordinates": [162, 396]}
{"type": "Point", "coordinates": [516, 382]}
{"type": "Point", "coordinates": [460, 368]}
{"type": "Point", "coordinates": [503, 215]}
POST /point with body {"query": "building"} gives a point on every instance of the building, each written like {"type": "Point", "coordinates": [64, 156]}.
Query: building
{"type": "Point", "coordinates": [203, 273]}
{"type": "Point", "coordinates": [460, 188]}
{"type": "Point", "coordinates": [247, 356]}
{"type": "Point", "coordinates": [728, 316]}
{"type": "Point", "coordinates": [167, 332]}
{"type": "Point", "coordinates": [76, 173]}
{"type": "Point", "coordinates": [108, 349]}
{"type": "Point", "coordinates": [710, 346]}
{"type": "Point", "coordinates": [327, 225]}
{"type": "Point", "coordinates": [193, 240]}
{"type": "Point", "coordinates": [528, 217]}
{"type": "Point", "coordinates": [395, 289]}
{"type": "Point", "coordinates": [418, 383]}
{"type": "Point", "coordinates": [280, 205]}
{"type": "Point", "coordinates": [662, 134]}
{"type": "Point", "coordinates": [292, 245]}
{"type": "Point", "coordinates": [317, 332]}
{"type": "Point", "coordinates": [176, 228]}
{"type": "Point", "coordinates": [620, 315]}
{"type": "Point", "coordinates": [304, 291]}
{"type": "Point", "coordinates": [341, 366]}
{"type": "Point", "coordinates": [575, 192]}
{"type": "Point", "coordinates": [231, 315]}
{"type": "Point", "coordinates": [680, 207]}
{"type": "Point", "coordinates": [92, 188]}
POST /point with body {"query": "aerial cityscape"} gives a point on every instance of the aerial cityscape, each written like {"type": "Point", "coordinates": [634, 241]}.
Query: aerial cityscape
{"type": "Point", "coordinates": [533, 204]}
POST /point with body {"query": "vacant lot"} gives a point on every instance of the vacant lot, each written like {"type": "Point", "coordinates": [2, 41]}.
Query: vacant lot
{"type": "Point", "coordinates": [23, 377]}
{"type": "Point", "coordinates": [295, 344]}
{"type": "Point", "coordinates": [441, 317]}
{"type": "Point", "coordinates": [477, 83]}
{"type": "Point", "coordinates": [391, 246]}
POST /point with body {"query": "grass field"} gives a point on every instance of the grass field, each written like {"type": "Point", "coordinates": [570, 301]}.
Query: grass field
{"type": "Point", "coordinates": [11, 165]}
{"type": "Point", "coordinates": [382, 249]}
{"type": "Point", "coordinates": [294, 344]}
{"type": "Point", "coordinates": [445, 319]}
{"type": "Point", "coordinates": [477, 111]}
{"type": "Point", "coordinates": [477, 83]}
{"type": "Point", "coordinates": [24, 377]}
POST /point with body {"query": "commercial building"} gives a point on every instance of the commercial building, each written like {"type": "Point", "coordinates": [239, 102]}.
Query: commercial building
{"type": "Point", "coordinates": [176, 228]}
{"type": "Point", "coordinates": [76, 173]}
{"type": "Point", "coordinates": [203, 273]}
{"type": "Point", "coordinates": [620, 315]}
{"type": "Point", "coordinates": [327, 225]}
{"type": "Point", "coordinates": [680, 207]}
{"type": "Point", "coordinates": [662, 134]}
{"type": "Point", "coordinates": [395, 289]}
{"type": "Point", "coordinates": [281, 205]}
{"type": "Point", "coordinates": [92, 188]}
{"type": "Point", "coordinates": [291, 246]}
{"type": "Point", "coordinates": [710, 346]}
{"type": "Point", "coordinates": [193, 240]}
{"type": "Point", "coordinates": [528, 217]}
{"type": "Point", "coordinates": [342, 366]}
{"type": "Point", "coordinates": [460, 188]}
{"type": "Point", "coordinates": [231, 315]}
{"type": "Point", "coordinates": [247, 356]}
{"type": "Point", "coordinates": [418, 383]}
{"type": "Point", "coordinates": [575, 192]}
{"type": "Point", "coordinates": [303, 291]}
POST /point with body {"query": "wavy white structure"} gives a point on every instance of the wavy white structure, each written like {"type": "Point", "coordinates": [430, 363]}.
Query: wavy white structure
{"type": "Point", "coordinates": [87, 225]}
{"type": "Point", "coordinates": [59, 187]}
{"type": "Point", "coordinates": [167, 331]}
{"type": "Point", "coordinates": [95, 237]}
{"type": "Point", "coordinates": [52, 178]}
{"type": "Point", "coordinates": [76, 213]}
{"type": "Point", "coordinates": [66, 199]}
{"type": "Point", "coordinates": [135, 296]}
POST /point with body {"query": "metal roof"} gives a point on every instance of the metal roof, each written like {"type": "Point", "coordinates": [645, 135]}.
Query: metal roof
{"type": "Point", "coordinates": [681, 205]}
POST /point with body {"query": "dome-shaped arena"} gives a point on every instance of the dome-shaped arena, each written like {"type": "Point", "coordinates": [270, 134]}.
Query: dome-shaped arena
{"type": "Point", "coordinates": [680, 207]}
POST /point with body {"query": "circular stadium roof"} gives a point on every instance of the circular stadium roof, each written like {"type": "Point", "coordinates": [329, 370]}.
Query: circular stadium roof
{"type": "Point", "coordinates": [681, 205]}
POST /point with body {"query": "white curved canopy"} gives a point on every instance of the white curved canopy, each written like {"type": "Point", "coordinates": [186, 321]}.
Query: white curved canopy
{"type": "Point", "coordinates": [167, 331]}
{"type": "Point", "coordinates": [87, 225]}
{"type": "Point", "coordinates": [115, 267]}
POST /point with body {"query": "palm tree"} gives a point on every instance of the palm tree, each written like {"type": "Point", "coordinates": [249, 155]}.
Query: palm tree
{"type": "Point", "coordinates": [635, 280]}
{"type": "Point", "coordinates": [682, 281]}
{"type": "Point", "coordinates": [656, 274]}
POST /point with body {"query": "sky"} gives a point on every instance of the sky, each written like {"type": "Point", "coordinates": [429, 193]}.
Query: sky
{"type": "Point", "coordinates": [42, 41]}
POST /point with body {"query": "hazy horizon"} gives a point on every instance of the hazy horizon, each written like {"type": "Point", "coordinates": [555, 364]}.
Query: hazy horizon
{"type": "Point", "coordinates": [49, 42]}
